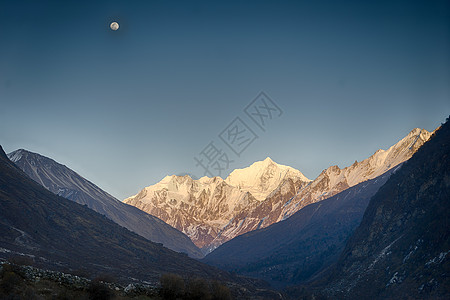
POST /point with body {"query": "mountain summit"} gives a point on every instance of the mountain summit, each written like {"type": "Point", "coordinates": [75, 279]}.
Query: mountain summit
{"type": "Point", "coordinates": [263, 177]}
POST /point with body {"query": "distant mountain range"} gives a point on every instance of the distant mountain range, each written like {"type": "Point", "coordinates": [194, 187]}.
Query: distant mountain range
{"type": "Point", "coordinates": [64, 182]}
{"type": "Point", "coordinates": [212, 211]}
{"type": "Point", "coordinates": [60, 234]}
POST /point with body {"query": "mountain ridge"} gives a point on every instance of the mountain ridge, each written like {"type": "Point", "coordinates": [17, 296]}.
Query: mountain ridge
{"type": "Point", "coordinates": [400, 249]}
{"type": "Point", "coordinates": [234, 208]}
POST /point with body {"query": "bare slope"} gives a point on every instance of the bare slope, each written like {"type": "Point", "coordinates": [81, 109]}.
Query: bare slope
{"type": "Point", "coordinates": [64, 182]}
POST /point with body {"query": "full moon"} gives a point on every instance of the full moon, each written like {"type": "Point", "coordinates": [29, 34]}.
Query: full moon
{"type": "Point", "coordinates": [114, 26]}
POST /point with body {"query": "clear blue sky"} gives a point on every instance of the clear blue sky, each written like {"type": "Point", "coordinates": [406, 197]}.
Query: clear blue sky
{"type": "Point", "coordinates": [125, 108]}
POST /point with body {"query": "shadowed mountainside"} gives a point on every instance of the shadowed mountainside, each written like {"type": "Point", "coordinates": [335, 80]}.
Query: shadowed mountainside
{"type": "Point", "coordinates": [401, 248]}
{"type": "Point", "coordinates": [64, 182]}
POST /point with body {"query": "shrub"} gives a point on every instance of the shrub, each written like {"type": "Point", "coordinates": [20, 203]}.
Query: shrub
{"type": "Point", "coordinates": [172, 286]}
{"type": "Point", "coordinates": [10, 282]}
{"type": "Point", "coordinates": [30, 294]}
{"type": "Point", "coordinates": [63, 295]}
{"type": "Point", "coordinates": [220, 292]}
{"type": "Point", "coordinates": [198, 289]}
{"type": "Point", "coordinates": [99, 291]}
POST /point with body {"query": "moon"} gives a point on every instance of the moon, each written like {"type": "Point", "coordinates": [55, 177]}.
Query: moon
{"type": "Point", "coordinates": [114, 26]}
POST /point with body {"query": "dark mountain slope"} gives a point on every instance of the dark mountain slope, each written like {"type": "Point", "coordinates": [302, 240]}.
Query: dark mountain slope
{"type": "Point", "coordinates": [402, 247]}
{"type": "Point", "coordinates": [64, 182]}
{"type": "Point", "coordinates": [61, 234]}
{"type": "Point", "coordinates": [293, 250]}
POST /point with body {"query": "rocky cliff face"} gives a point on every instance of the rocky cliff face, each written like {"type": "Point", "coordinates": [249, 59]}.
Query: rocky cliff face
{"type": "Point", "coordinates": [212, 211]}
{"type": "Point", "coordinates": [207, 209]}
{"type": "Point", "coordinates": [64, 182]}
{"type": "Point", "coordinates": [402, 247]}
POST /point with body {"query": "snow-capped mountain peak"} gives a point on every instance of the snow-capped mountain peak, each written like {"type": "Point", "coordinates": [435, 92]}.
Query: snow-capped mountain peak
{"type": "Point", "coordinates": [262, 177]}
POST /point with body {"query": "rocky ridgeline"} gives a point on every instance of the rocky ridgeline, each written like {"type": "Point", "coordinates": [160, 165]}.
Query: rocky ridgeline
{"type": "Point", "coordinates": [77, 282]}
